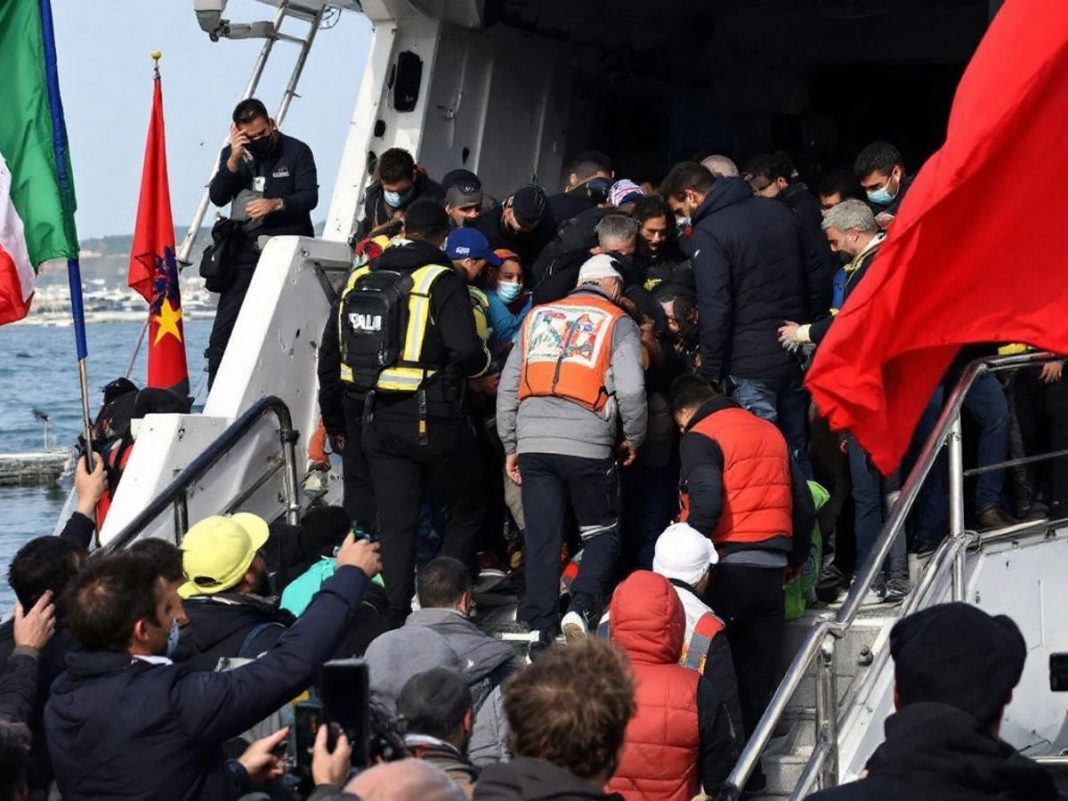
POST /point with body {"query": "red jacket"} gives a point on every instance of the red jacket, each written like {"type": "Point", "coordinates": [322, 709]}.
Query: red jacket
{"type": "Point", "coordinates": [662, 749]}
{"type": "Point", "coordinates": [751, 455]}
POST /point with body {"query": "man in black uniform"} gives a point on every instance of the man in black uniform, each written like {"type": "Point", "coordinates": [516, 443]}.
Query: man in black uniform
{"type": "Point", "coordinates": [522, 224]}
{"type": "Point", "coordinates": [416, 438]}
{"type": "Point", "coordinates": [271, 180]}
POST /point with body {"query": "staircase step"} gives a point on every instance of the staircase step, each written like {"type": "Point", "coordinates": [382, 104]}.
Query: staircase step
{"type": "Point", "coordinates": [783, 771]}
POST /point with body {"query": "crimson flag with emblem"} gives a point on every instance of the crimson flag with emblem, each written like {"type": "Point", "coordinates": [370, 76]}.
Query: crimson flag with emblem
{"type": "Point", "coordinates": [153, 269]}
{"type": "Point", "coordinates": [974, 254]}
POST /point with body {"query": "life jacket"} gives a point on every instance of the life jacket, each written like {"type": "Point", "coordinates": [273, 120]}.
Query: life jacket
{"type": "Point", "coordinates": [661, 748]}
{"type": "Point", "coordinates": [757, 494]}
{"type": "Point", "coordinates": [695, 649]}
{"type": "Point", "coordinates": [567, 349]}
{"type": "Point", "coordinates": [382, 323]}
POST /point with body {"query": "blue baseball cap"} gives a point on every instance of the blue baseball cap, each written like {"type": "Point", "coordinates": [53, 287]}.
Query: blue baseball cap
{"type": "Point", "coordinates": [470, 243]}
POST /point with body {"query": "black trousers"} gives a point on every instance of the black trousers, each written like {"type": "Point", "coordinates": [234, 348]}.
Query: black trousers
{"type": "Point", "coordinates": [359, 498]}
{"type": "Point", "coordinates": [230, 301]}
{"type": "Point", "coordinates": [1042, 412]}
{"type": "Point", "coordinates": [405, 473]}
{"type": "Point", "coordinates": [550, 482]}
{"type": "Point", "coordinates": [751, 602]}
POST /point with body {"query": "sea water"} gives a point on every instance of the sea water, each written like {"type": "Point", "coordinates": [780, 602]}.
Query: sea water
{"type": "Point", "coordinates": [39, 370]}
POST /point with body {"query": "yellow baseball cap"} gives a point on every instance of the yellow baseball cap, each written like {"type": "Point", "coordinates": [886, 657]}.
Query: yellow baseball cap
{"type": "Point", "coordinates": [218, 551]}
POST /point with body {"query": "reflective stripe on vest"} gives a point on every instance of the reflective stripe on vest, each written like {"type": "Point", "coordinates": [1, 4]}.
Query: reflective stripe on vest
{"type": "Point", "coordinates": [696, 649]}
{"type": "Point", "coordinates": [757, 490]}
{"type": "Point", "coordinates": [567, 349]}
{"type": "Point", "coordinates": [408, 375]}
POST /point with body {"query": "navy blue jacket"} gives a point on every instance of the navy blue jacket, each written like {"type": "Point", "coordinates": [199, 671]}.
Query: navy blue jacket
{"type": "Point", "coordinates": [120, 727]}
{"type": "Point", "coordinates": [754, 270]}
{"type": "Point", "coordinates": [289, 173]}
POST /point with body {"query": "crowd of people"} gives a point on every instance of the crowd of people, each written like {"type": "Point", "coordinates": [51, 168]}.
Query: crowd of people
{"type": "Point", "coordinates": [591, 401]}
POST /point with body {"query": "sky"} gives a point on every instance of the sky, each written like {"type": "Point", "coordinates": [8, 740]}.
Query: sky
{"type": "Point", "coordinates": [105, 74]}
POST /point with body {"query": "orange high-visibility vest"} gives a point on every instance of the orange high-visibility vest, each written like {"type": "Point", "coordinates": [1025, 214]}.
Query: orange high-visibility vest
{"type": "Point", "coordinates": [567, 349]}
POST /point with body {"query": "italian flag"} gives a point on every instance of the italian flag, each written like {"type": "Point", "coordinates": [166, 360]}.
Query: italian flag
{"type": "Point", "coordinates": [36, 188]}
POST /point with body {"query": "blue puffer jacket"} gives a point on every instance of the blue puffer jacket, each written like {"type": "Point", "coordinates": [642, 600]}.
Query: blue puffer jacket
{"type": "Point", "coordinates": [754, 269]}
{"type": "Point", "coordinates": [124, 728]}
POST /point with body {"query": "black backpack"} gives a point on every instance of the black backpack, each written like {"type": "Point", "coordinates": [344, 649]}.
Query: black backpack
{"type": "Point", "coordinates": [374, 321]}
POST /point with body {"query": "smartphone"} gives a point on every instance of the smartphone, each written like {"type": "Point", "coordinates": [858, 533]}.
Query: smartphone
{"type": "Point", "coordinates": [345, 690]}
{"type": "Point", "coordinates": [1058, 672]}
{"type": "Point", "coordinates": [307, 718]}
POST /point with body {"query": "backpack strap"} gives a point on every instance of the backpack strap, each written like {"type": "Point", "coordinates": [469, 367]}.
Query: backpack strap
{"type": "Point", "coordinates": [244, 652]}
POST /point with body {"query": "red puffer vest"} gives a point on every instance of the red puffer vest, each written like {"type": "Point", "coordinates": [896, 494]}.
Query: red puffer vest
{"type": "Point", "coordinates": [757, 496]}
{"type": "Point", "coordinates": [660, 754]}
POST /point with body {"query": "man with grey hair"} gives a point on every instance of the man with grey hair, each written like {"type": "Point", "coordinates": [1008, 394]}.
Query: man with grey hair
{"type": "Point", "coordinates": [617, 236]}
{"type": "Point", "coordinates": [855, 239]}
{"type": "Point", "coordinates": [575, 376]}
{"type": "Point", "coordinates": [720, 166]}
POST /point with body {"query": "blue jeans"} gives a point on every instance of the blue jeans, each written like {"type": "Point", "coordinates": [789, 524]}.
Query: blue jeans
{"type": "Point", "coordinates": [930, 515]}
{"type": "Point", "coordinates": [868, 516]}
{"type": "Point", "coordinates": [783, 402]}
{"type": "Point", "coordinates": [986, 403]}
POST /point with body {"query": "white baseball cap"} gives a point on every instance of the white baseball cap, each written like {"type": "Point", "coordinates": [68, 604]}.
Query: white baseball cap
{"type": "Point", "coordinates": [683, 553]}
{"type": "Point", "coordinates": [597, 267]}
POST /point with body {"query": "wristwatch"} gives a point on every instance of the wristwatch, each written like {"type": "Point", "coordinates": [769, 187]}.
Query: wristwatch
{"type": "Point", "coordinates": [281, 204]}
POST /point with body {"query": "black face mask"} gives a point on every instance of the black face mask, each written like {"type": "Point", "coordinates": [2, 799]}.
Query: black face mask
{"type": "Point", "coordinates": [844, 258]}
{"type": "Point", "coordinates": [262, 147]}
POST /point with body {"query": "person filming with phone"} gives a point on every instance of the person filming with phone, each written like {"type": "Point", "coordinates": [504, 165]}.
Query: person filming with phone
{"type": "Point", "coordinates": [269, 181]}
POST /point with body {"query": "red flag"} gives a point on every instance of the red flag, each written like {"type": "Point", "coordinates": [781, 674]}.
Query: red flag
{"type": "Point", "coordinates": [976, 253]}
{"type": "Point", "coordinates": [153, 269]}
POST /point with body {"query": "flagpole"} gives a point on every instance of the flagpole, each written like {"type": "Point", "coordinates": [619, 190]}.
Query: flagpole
{"type": "Point", "coordinates": [74, 273]}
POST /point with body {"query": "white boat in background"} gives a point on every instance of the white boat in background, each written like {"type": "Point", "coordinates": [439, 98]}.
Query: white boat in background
{"type": "Point", "coordinates": [508, 89]}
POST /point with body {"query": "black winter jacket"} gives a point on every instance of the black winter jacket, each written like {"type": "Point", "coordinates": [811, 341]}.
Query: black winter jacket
{"type": "Point", "coordinates": [50, 662]}
{"type": "Point", "coordinates": [18, 686]}
{"type": "Point", "coordinates": [230, 625]}
{"type": "Point", "coordinates": [376, 212]}
{"type": "Point", "coordinates": [451, 341]}
{"type": "Point", "coordinates": [936, 752]}
{"type": "Point", "coordinates": [806, 207]}
{"type": "Point", "coordinates": [525, 779]}
{"type": "Point", "coordinates": [120, 727]}
{"type": "Point", "coordinates": [527, 246]}
{"type": "Point", "coordinates": [701, 475]}
{"type": "Point", "coordinates": [754, 269]}
{"type": "Point", "coordinates": [289, 173]}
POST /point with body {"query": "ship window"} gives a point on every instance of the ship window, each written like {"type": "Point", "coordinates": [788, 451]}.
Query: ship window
{"type": "Point", "coordinates": [409, 76]}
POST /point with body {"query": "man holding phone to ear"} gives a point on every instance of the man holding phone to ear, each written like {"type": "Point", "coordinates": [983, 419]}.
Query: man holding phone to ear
{"type": "Point", "coordinates": [269, 180]}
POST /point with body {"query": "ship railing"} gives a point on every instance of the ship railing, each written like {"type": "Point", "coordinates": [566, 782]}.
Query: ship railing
{"type": "Point", "coordinates": [817, 651]}
{"type": "Point", "coordinates": [174, 497]}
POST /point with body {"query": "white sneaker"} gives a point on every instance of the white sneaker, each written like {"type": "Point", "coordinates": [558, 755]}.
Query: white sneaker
{"type": "Point", "coordinates": [573, 626]}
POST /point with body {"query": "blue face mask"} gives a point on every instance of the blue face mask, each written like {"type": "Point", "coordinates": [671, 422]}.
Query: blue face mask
{"type": "Point", "coordinates": [172, 638]}
{"type": "Point", "coordinates": [882, 196]}
{"type": "Point", "coordinates": [508, 292]}
{"type": "Point", "coordinates": [397, 199]}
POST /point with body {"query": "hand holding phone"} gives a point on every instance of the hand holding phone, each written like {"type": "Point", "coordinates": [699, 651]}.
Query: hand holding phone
{"type": "Point", "coordinates": [331, 757]}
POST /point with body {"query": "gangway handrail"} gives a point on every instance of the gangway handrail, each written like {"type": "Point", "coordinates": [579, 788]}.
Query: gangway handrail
{"type": "Point", "coordinates": [175, 493]}
{"type": "Point", "coordinates": [818, 646]}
